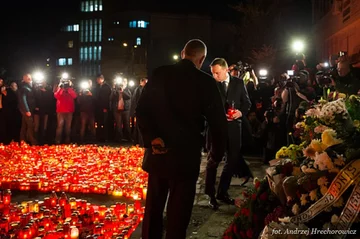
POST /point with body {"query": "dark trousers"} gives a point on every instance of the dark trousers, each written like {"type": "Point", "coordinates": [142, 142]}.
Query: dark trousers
{"type": "Point", "coordinates": [63, 119]}
{"type": "Point", "coordinates": [27, 130]}
{"type": "Point", "coordinates": [234, 164]}
{"type": "Point", "coordinates": [102, 124]}
{"type": "Point", "coordinates": [179, 207]}
{"type": "Point", "coordinates": [87, 119]}
{"type": "Point", "coordinates": [3, 127]}
{"type": "Point", "coordinates": [40, 125]}
{"type": "Point", "coordinates": [122, 121]}
{"type": "Point", "coordinates": [138, 137]}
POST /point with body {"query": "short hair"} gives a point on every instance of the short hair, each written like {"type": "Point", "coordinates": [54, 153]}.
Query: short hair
{"type": "Point", "coordinates": [219, 61]}
{"type": "Point", "coordinates": [143, 79]}
{"type": "Point", "coordinates": [100, 76]}
{"type": "Point", "coordinates": [195, 47]}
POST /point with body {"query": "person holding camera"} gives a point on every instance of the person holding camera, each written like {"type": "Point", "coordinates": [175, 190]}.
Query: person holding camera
{"type": "Point", "coordinates": [121, 104]}
{"type": "Point", "coordinates": [27, 107]}
{"type": "Point", "coordinates": [65, 106]}
{"type": "Point", "coordinates": [86, 108]}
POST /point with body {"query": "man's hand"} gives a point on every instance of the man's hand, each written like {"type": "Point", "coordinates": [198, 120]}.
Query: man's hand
{"type": "Point", "coordinates": [158, 146]}
{"type": "Point", "coordinates": [28, 114]}
{"type": "Point", "coordinates": [236, 115]}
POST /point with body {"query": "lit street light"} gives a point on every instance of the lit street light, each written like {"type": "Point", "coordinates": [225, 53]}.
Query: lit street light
{"type": "Point", "coordinates": [298, 46]}
{"type": "Point", "coordinates": [131, 83]}
{"type": "Point", "coordinates": [175, 57]}
{"type": "Point", "coordinates": [263, 72]}
{"type": "Point", "coordinates": [125, 44]}
{"type": "Point", "coordinates": [65, 75]}
{"type": "Point", "coordinates": [38, 77]}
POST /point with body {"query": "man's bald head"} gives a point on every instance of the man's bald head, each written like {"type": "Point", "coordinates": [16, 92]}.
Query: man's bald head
{"type": "Point", "coordinates": [195, 50]}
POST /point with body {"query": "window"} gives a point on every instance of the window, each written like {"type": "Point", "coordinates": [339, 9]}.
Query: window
{"type": "Point", "coordinates": [76, 28]}
{"type": "Point", "coordinates": [100, 30]}
{"type": "Point", "coordinates": [91, 30]}
{"type": "Point", "coordinates": [85, 53]}
{"type": "Point", "coordinates": [69, 61]}
{"type": "Point", "coordinates": [61, 62]}
{"type": "Point", "coordinates": [96, 6]}
{"type": "Point", "coordinates": [100, 5]}
{"type": "Point", "coordinates": [95, 53]}
{"type": "Point", "coordinates": [138, 41]}
{"type": "Point", "coordinates": [82, 31]}
{"type": "Point", "coordinates": [87, 7]}
{"type": "Point", "coordinates": [110, 39]}
{"type": "Point", "coordinates": [99, 52]}
{"type": "Point", "coordinates": [91, 6]}
{"type": "Point", "coordinates": [86, 30]}
{"type": "Point", "coordinates": [138, 24]}
{"type": "Point", "coordinates": [95, 30]}
{"type": "Point", "coordinates": [83, 6]}
{"type": "Point", "coordinates": [81, 53]}
{"type": "Point", "coordinates": [70, 44]}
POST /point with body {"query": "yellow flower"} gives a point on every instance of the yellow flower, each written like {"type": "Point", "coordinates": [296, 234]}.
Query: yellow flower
{"type": "Point", "coordinates": [329, 138]}
{"type": "Point", "coordinates": [323, 190]}
{"type": "Point", "coordinates": [282, 152]}
{"type": "Point", "coordinates": [339, 202]}
{"type": "Point", "coordinates": [309, 152]}
{"type": "Point", "coordinates": [342, 95]}
{"type": "Point", "coordinates": [303, 200]}
{"type": "Point", "coordinates": [317, 145]}
{"type": "Point", "coordinates": [313, 195]}
{"type": "Point", "coordinates": [334, 219]}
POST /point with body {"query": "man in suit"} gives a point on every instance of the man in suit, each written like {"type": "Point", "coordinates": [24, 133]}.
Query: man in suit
{"type": "Point", "coordinates": [234, 97]}
{"type": "Point", "coordinates": [171, 121]}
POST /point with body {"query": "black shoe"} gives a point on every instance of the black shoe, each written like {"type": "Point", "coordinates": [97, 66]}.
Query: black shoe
{"type": "Point", "coordinates": [226, 199]}
{"type": "Point", "coordinates": [213, 204]}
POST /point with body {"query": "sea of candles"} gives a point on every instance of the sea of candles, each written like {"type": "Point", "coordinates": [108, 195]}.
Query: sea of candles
{"type": "Point", "coordinates": [76, 169]}
{"type": "Point", "coordinates": [62, 217]}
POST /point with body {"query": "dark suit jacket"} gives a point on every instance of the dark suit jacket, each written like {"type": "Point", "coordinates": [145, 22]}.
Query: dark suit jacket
{"type": "Point", "coordinates": [173, 106]}
{"type": "Point", "coordinates": [236, 93]}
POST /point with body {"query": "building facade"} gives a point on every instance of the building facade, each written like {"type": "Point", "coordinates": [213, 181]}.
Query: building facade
{"type": "Point", "coordinates": [336, 28]}
{"type": "Point", "coordinates": [110, 38]}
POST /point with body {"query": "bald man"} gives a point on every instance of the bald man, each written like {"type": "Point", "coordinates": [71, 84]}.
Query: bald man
{"type": "Point", "coordinates": [171, 115]}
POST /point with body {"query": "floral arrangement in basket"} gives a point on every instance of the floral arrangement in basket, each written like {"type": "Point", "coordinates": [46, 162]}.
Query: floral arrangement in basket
{"type": "Point", "coordinates": [301, 175]}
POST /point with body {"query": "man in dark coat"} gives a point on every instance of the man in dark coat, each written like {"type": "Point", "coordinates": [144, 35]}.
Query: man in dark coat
{"type": "Point", "coordinates": [171, 121]}
{"type": "Point", "coordinates": [237, 104]}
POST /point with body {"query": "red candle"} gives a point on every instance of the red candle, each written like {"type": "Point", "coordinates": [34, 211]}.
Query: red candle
{"type": "Point", "coordinates": [6, 197]}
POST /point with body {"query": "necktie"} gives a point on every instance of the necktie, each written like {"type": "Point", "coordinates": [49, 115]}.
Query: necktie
{"type": "Point", "coordinates": [224, 86]}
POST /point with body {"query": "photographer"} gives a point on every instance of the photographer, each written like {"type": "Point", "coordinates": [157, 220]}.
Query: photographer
{"type": "Point", "coordinates": [121, 104]}
{"type": "Point", "coordinates": [86, 107]}
{"type": "Point", "coordinates": [65, 107]}
{"type": "Point", "coordinates": [346, 82]}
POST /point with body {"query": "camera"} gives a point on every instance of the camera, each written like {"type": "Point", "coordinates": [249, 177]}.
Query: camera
{"type": "Point", "coordinates": [65, 83]}
{"type": "Point", "coordinates": [323, 78]}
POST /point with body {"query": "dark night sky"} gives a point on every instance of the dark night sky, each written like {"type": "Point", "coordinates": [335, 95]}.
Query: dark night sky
{"type": "Point", "coordinates": [27, 32]}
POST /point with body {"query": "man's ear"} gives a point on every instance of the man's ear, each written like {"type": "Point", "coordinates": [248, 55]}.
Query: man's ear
{"type": "Point", "coordinates": [182, 54]}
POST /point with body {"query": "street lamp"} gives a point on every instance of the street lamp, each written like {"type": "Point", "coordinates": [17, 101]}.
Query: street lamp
{"type": "Point", "coordinates": [176, 57]}
{"type": "Point", "coordinates": [125, 44]}
{"type": "Point", "coordinates": [298, 46]}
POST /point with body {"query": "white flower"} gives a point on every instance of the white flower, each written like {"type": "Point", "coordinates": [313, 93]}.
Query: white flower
{"type": "Point", "coordinates": [295, 209]}
{"type": "Point", "coordinates": [319, 129]}
{"type": "Point", "coordinates": [323, 181]}
{"type": "Point", "coordinates": [313, 195]}
{"type": "Point", "coordinates": [323, 162]}
{"type": "Point", "coordinates": [312, 113]}
{"type": "Point", "coordinates": [303, 200]}
{"type": "Point", "coordinates": [334, 219]}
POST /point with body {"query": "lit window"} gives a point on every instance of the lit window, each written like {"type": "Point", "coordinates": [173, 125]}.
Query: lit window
{"type": "Point", "coordinates": [110, 39]}
{"type": "Point", "coordinates": [69, 61]}
{"type": "Point", "coordinates": [99, 52]}
{"type": "Point", "coordinates": [95, 30]}
{"type": "Point", "coordinates": [70, 44]}
{"type": "Point", "coordinates": [91, 6]}
{"type": "Point", "coordinates": [95, 53]}
{"type": "Point", "coordinates": [90, 53]}
{"type": "Point", "coordinates": [86, 54]}
{"type": "Point", "coordinates": [81, 53]}
{"type": "Point", "coordinates": [83, 6]}
{"type": "Point", "coordinates": [76, 28]}
{"type": "Point", "coordinates": [138, 41]}
{"type": "Point", "coordinates": [87, 6]}
{"type": "Point", "coordinates": [82, 31]}
{"type": "Point", "coordinates": [100, 5]}
{"type": "Point", "coordinates": [86, 30]}
{"type": "Point", "coordinates": [91, 30]}
{"type": "Point", "coordinates": [62, 62]}
{"type": "Point", "coordinates": [100, 30]}
{"type": "Point", "coordinates": [96, 5]}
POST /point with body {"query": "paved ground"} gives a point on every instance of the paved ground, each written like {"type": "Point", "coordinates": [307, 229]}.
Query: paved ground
{"type": "Point", "coordinates": [205, 222]}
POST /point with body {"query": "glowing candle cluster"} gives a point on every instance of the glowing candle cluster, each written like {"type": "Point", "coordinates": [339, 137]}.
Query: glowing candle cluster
{"type": "Point", "coordinates": [62, 217]}
{"type": "Point", "coordinates": [76, 169]}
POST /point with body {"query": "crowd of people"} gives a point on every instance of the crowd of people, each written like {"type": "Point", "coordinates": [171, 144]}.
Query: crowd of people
{"type": "Point", "coordinates": [38, 114]}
